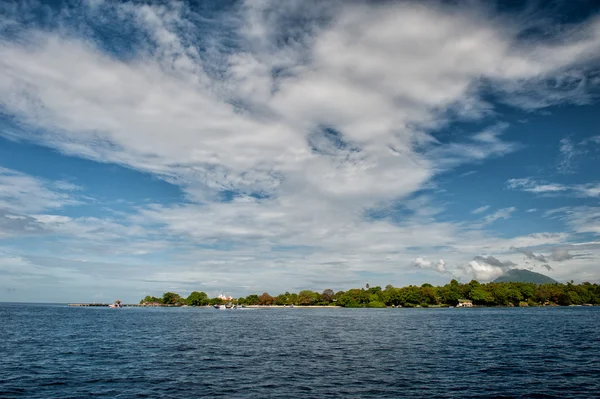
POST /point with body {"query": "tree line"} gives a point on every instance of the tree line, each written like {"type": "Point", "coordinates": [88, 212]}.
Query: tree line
{"type": "Point", "coordinates": [426, 295]}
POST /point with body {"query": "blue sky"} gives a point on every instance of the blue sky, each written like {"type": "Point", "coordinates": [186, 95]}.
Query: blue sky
{"type": "Point", "coordinates": [243, 147]}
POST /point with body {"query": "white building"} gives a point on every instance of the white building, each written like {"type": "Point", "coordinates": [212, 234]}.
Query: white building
{"type": "Point", "coordinates": [464, 303]}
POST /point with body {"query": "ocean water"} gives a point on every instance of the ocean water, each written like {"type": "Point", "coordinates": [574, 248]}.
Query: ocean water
{"type": "Point", "coordinates": [53, 351]}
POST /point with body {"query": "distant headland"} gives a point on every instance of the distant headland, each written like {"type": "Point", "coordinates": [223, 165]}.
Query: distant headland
{"type": "Point", "coordinates": [501, 293]}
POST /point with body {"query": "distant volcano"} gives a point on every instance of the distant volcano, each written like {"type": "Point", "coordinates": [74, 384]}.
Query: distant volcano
{"type": "Point", "coordinates": [524, 276]}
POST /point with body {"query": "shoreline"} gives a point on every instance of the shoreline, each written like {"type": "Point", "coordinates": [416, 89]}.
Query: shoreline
{"type": "Point", "coordinates": [106, 305]}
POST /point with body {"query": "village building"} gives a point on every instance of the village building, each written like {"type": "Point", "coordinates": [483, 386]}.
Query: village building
{"type": "Point", "coordinates": [464, 303]}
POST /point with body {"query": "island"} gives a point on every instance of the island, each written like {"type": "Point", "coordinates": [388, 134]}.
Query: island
{"type": "Point", "coordinates": [453, 294]}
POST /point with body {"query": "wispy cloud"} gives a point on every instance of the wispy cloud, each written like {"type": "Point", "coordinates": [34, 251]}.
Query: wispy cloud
{"type": "Point", "coordinates": [540, 187]}
{"type": "Point", "coordinates": [504, 213]}
{"type": "Point", "coordinates": [532, 186]}
{"type": "Point", "coordinates": [530, 255]}
{"type": "Point", "coordinates": [581, 219]}
{"type": "Point", "coordinates": [22, 193]}
{"type": "Point", "coordinates": [129, 120]}
{"type": "Point", "coordinates": [568, 156]}
{"type": "Point", "coordinates": [481, 209]}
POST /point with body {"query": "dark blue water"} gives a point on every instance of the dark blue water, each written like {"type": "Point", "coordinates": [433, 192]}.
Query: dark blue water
{"type": "Point", "coordinates": [61, 352]}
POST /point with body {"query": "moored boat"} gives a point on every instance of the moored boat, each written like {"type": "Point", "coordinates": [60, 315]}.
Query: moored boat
{"type": "Point", "coordinates": [116, 305]}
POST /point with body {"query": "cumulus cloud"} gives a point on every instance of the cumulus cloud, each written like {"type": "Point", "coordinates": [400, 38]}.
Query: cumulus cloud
{"type": "Point", "coordinates": [486, 268]}
{"type": "Point", "coordinates": [483, 271]}
{"type": "Point", "coordinates": [439, 266]}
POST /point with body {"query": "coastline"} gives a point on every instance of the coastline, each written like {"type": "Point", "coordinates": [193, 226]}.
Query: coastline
{"type": "Point", "coordinates": [105, 305]}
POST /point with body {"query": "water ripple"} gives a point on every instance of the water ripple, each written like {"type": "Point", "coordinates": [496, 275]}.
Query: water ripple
{"type": "Point", "coordinates": [60, 352]}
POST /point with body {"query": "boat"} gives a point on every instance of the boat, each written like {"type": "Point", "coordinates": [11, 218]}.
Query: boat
{"type": "Point", "coordinates": [226, 306]}
{"type": "Point", "coordinates": [116, 305]}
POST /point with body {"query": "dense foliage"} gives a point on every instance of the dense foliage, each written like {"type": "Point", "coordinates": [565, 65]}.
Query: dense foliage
{"type": "Point", "coordinates": [490, 294]}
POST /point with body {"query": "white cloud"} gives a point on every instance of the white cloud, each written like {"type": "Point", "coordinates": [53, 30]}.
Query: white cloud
{"type": "Point", "coordinates": [24, 193]}
{"type": "Point", "coordinates": [530, 185]}
{"type": "Point", "coordinates": [568, 155]}
{"type": "Point", "coordinates": [536, 240]}
{"type": "Point", "coordinates": [481, 209]}
{"type": "Point", "coordinates": [440, 266]}
{"type": "Point", "coordinates": [587, 190]}
{"type": "Point", "coordinates": [560, 254]}
{"type": "Point", "coordinates": [483, 271]}
{"type": "Point", "coordinates": [185, 128]}
{"type": "Point", "coordinates": [580, 219]}
{"type": "Point", "coordinates": [336, 119]}
{"type": "Point", "coordinates": [533, 186]}
{"type": "Point", "coordinates": [504, 213]}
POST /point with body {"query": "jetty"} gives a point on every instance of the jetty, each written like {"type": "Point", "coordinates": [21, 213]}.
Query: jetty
{"type": "Point", "coordinates": [106, 305]}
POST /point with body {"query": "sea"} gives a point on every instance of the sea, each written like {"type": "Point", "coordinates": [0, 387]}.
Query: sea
{"type": "Point", "coordinates": [56, 351]}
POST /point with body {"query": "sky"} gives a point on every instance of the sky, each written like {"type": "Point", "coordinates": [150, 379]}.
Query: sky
{"type": "Point", "coordinates": [240, 147]}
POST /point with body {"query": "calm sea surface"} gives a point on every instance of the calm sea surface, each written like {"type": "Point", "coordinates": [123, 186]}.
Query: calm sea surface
{"type": "Point", "coordinates": [53, 351]}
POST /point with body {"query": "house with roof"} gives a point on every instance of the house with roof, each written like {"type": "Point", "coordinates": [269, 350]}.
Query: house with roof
{"type": "Point", "coordinates": [464, 303]}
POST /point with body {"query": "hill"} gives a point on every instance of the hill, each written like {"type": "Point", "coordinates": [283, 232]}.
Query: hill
{"type": "Point", "coordinates": [524, 276]}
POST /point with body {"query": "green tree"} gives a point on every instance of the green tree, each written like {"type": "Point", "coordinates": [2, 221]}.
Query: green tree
{"type": "Point", "coordinates": [480, 296]}
{"type": "Point", "coordinates": [308, 297]}
{"type": "Point", "coordinates": [354, 298]}
{"type": "Point", "coordinates": [564, 299]}
{"type": "Point", "coordinates": [151, 299]}
{"type": "Point", "coordinates": [281, 299]}
{"type": "Point", "coordinates": [252, 299]}
{"type": "Point", "coordinates": [490, 294]}
{"type": "Point", "coordinates": [215, 301]}
{"type": "Point", "coordinates": [327, 296]}
{"type": "Point", "coordinates": [197, 299]}
{"type": "Point", "coordinates": [170, 298]}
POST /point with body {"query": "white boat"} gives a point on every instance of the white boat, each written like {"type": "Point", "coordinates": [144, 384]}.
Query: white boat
{"type": "Point", "coordinates": [116, 305]}
{"type": "Point", "coordinates": [224, 307]}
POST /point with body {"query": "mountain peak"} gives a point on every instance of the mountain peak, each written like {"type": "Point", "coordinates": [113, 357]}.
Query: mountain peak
{"type": "Point", "coordinates": [524, 276]}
